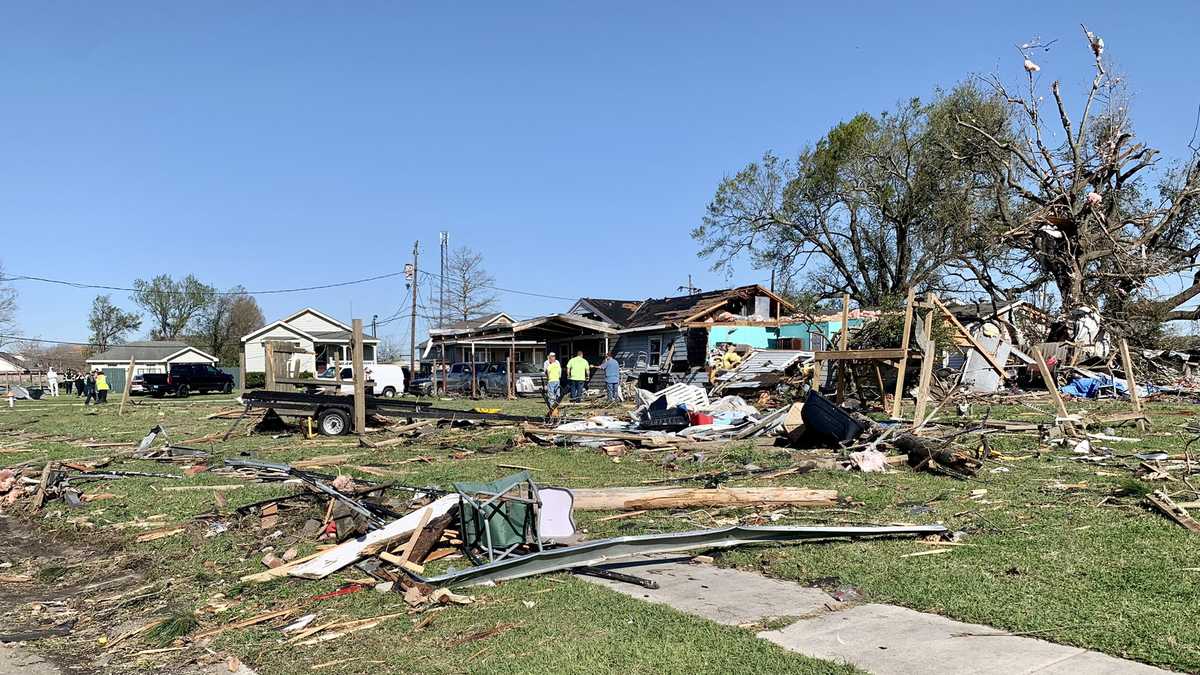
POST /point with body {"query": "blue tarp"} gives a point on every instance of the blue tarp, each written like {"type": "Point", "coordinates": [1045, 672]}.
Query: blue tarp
{"type": "Point", "coordinates": [1091, 387]}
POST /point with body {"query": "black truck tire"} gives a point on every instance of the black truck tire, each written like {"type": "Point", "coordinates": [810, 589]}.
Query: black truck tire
{"type": "Point", "coordinates": [182, 391]}
{"type": "Point", "coordinates": [228, 388]}
{"type": "Point", "coordinates": [333, 422]}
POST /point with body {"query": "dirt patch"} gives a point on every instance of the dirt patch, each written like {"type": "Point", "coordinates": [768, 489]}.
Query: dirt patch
{"type": "Point", "coordinates": [59, 613]}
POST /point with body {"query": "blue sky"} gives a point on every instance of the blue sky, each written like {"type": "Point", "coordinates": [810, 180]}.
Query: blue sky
{"type": "Point", "coordinates": [575, 145]}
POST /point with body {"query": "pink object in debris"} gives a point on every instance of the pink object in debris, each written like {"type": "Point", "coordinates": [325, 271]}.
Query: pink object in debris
{"type": "Point", "coordinates": [343, 483]}
{"type": "Point", "coordinates": [1093, 199]}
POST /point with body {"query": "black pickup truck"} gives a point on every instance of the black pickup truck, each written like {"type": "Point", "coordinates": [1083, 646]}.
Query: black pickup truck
{"type": "Point", "coordinates": [182, 379]}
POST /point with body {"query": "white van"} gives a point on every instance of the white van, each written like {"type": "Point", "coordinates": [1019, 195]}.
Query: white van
{"type": "Point", "coordinates": [389, 379]}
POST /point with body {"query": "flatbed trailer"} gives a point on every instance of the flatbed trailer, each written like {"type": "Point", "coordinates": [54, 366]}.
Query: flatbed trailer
{"type": "Point", "coordinates": [333, 412]}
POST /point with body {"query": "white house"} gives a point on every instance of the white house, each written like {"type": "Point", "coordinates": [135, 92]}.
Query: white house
{"type": "Point", "coordinates": [325, 339]}
{"type": "Point", "coordinates": [11, 363]}
{"type": "Point", "coordinates": [153, 356]}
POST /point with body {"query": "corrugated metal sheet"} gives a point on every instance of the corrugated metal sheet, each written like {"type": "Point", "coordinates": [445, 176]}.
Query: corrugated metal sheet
{"type": "Point", "coordinates": [762, 368]}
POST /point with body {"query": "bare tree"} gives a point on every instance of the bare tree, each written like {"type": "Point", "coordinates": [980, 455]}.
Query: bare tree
{"type": "Point", "coordinates": [390, 350]}
{"type": "Point", "coordinates": [1094, 213]}
{"type": "Point", "coordinates": [172, 305]}
{"type": "Point", "coordinates": [221, 324]}
{"type": "Point", "coordinates": [469, 292]}
{"type": "Point", "coordinates": [109, 324]}
{"type": "Point", "coordinates": [8, 308]}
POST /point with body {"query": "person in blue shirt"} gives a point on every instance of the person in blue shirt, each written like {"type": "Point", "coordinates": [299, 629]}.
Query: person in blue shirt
{"type": "Point", "coordinates": [612, 377]}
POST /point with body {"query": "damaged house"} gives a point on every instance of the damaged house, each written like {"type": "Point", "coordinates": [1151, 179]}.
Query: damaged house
{"type": "Point", "coordinates": [678, 333]}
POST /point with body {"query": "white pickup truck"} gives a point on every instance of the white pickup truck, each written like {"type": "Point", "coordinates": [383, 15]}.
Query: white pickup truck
{"type": "Point", "coordinates": [389, 379]}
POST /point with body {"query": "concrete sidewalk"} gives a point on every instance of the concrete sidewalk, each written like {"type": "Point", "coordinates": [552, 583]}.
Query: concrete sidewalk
{"type": "Point", "coordinates": [878, 638]}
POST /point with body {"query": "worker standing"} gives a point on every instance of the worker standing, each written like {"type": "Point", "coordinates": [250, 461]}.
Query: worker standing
{"type": "Point", "coordinates": [101, 387]}
{"type": "Point", "coordinates": [553, 370]}
{"type": "Point", "coordinates": [52, 381]}
{"type": "Point", "coordinates": [88, 389]}
{"type": "Point", "coordinates": [612, 377]}
{"type": "Point", "coordinates": [577, 374]}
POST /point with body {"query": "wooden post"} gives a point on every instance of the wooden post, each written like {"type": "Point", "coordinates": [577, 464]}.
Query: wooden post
{"type": "Point", "coordinates": [360, 379]}
{"type": "Point", "coordinates": [844, 343]}
{"type": "Point", "coordinates": [268, 365]}
{"type": "Point", "coordinates": [242, 369]}
{"type": "Point", "coordinates": [898, 397]}
{"type": "Point", "coordinates": [928, 356]}
{"type": "Point", "coordinates": [128, 386]}
{"type": "Point", "coordinates": [1052, 387]}
{"type": "Point", "coordinates": [512, 365]}
{"type": "Point", "coordinates": [1131, 382]}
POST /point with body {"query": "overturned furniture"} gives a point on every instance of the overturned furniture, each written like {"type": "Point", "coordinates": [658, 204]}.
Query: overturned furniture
{"type": "Point", "coordinates": [499, 517]}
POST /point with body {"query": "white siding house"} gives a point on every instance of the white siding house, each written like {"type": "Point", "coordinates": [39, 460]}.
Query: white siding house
{"type": "Point", "coordinates": [322, 340]}
{"type": "Point", "coordinates": [11, 363]}
{"type": "Point", "coordinates": [152, 356]}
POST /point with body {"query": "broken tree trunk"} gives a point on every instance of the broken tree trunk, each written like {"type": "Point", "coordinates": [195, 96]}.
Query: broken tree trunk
{"type": "Point", "coordinates": [637, 498]}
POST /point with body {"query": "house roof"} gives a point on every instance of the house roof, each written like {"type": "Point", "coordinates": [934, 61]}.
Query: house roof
{"type": "Point", "coordinates": [339, 336]}
{"type": "Point", "coordinates": [498, 318]}
{"type": "Point", "coordinates": [315, 335]}
{"type": "Point", "coordinates": [146, 352]}
{"type": "Point", "coordinates": [659, 311]}
{"type": "Point", "coordinates": [616, 312]}
{"type": "Point", "coordinates": [12, 358]}
{"type": "Point", "coordinates": [980, 311]}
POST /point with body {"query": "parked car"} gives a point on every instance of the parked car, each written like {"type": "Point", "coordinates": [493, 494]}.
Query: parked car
{"type": "Point", "coordinates": [529, 379]}
{"type": "Point", "coordinates": [137, 386]}
{"type": "Point", "coordinates": [182, 379]}
{"type": "Point", "coordinates": [457, 380]}
{"type": "Point", "coordinates": [389, 379]}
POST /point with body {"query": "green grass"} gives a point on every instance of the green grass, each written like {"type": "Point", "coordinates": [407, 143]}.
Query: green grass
{"type": "Point", "coordinates": [1044, 554]}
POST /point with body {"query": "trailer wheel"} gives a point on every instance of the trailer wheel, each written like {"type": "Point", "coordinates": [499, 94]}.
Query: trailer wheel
{"type": "Point", "coordinates": [333, 422]}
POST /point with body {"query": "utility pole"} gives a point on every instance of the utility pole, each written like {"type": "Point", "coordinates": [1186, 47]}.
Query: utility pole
{"type": "Point", "coordinates": [412, 326]}
{"type": "Point", "coordinates": [772, 279]}
{"type": "Point", "coordinates": [444, 239]}
{"type": "Point", "coordinates": [375, 326]}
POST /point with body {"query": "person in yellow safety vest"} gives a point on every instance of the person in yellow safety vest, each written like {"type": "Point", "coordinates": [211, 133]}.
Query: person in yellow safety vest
{"type": "Point", "coordinates": [101, 387]}
{"type": "Point", "coordinates": [553, 371]}
{"type": "Point", "coordinates": [730, 359]}
{"type": "Point", "coordinates": [578, 370]}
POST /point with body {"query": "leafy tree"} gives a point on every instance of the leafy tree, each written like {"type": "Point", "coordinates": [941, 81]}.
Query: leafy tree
{"type": "Point", "coordinates": [172, 305]}
{"type": "Point", "coordinates": [221, 324]}
{"type": "Point", "coordinates": [1095, 214]}
{"type": "Point", "coordinates": [110, 324]}
{"type": "Point", "coordinates": [468, 286]}
{"type": "Point", "coordinates": [879, 204]}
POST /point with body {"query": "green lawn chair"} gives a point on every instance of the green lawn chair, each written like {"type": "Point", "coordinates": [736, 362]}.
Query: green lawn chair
{"type": "Point", "coordinates": [499, 517]}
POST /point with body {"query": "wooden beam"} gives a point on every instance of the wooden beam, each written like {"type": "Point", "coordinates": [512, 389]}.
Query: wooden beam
{"type": "Point", "coordinates": [843, 345]}
{"type": "Point", "coordinates": [128, 386]}
{"type": "Point", "coordinates": [268, 365]}
{"type": "Point", "coordinates": [929, 355]}
{"type": "Point", "coordinates": [360, 379]}
{"type": "Point", "coordinates": [861, 355]}
{"type": "Point", "coordinates": [1131, 382]}
{"type": "Point", "coordinates": [242, 369]}
{"type": "Point", "coordinates": [1052, 386]}
{"type": "Point", "coordinates": [997, 366]}
{"type": "Point", "coordinates": [639, 498]}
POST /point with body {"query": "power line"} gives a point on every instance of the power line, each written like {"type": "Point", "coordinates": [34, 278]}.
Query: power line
{"type": "Point", "coordinates": [75, 284]}
{"type": "Point", "coordinates": [275, 291]}
{"type": "Point", "coordinates": [22, 338]}
{"type": "Point", "coordinates": [508, 290]}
